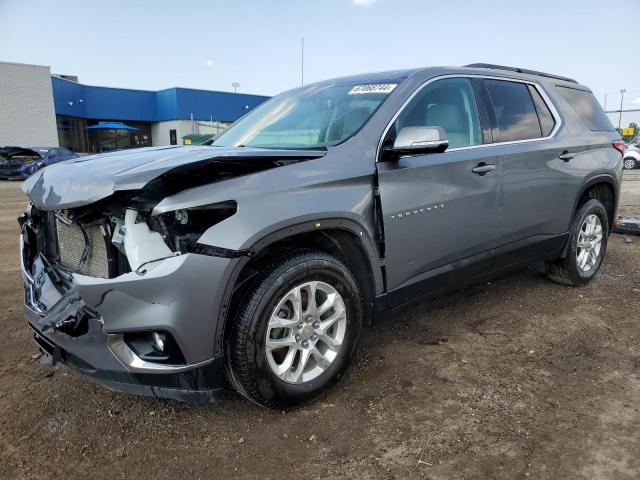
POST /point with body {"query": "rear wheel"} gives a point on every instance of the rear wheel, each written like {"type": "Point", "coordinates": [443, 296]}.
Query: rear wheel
{"type": "Point", "coordinates": [629, 163]}
{"type": "Point", "coordinates": [586, 247]}
{"type": "Point", "coordinates": [295, 332]}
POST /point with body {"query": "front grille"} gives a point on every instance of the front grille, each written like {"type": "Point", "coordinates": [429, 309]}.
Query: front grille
{"type": "Point", "coordinates": [71, 246]}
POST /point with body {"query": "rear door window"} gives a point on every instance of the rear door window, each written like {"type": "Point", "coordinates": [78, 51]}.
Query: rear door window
{"type": "Point", "coordinates": [588, 108]}
{"type": "Point", "coordinates": [515, 112]}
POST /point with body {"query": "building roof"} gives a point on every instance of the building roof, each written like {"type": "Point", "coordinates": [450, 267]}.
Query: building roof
{"type": "Point", "coordinates": [107, 103]}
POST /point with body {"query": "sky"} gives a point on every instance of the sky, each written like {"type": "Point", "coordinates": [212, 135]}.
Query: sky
{"type": "Point", "coordinates": [158, 44]}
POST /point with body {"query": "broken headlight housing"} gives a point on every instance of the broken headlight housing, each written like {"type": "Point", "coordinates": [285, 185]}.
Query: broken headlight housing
{"type": "Point", "coordinates": [182, 228]}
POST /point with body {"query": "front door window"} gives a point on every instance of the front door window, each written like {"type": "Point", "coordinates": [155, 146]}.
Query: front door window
{"type": "Point", "coordinates": [450, 104]}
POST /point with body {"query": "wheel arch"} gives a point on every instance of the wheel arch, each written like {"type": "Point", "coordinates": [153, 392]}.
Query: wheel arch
{"type": "Point", "coordinates": [343, 238]}
{"type": "Point", "coordinates": [604, 188]}
{"type": "Point", "coordinates": [601, 187]}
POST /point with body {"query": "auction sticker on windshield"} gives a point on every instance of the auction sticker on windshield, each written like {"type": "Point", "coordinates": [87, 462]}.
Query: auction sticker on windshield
{"type": "Point", "coordinates": [384, 88]}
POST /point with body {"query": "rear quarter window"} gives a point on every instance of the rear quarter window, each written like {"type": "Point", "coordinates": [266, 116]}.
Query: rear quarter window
{"type": "Point", "coordinates": [587, 108]}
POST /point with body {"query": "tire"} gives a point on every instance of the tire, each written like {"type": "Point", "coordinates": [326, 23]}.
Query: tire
{"type": "Point", "coordinates": [568, 270]}
{"type": "Point", "coordinates": [252, 368]}
{"type": "Point", "coordinates": [630, 163]}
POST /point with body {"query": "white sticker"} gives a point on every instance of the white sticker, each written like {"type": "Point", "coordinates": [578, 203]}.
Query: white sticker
{"type": "Point", "coordinates": [384, 88]}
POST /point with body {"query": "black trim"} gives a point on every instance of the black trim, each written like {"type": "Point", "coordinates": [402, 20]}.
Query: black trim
{"type": "Point", "coordinates": [456, 275]}
{"type": "Point", "coordinates": [528, 250]}
{"type": "Point", "coordinates": [451, 276]}
{"type": "Point", "coordinates": [602, 178]}
{"type": "Point", "coordinates": [212, 251]}
{"type": "Point", "coordinates": [485, 110]}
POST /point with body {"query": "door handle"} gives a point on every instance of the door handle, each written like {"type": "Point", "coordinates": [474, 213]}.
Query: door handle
{"type": "Point", "coordinates": [483, 169]}
{"type": "Point", "coordinates": [566, 156]}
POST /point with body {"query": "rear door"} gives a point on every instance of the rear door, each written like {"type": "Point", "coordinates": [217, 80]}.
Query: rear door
{"type": "Point", "coordinates": [440, 217]}
{"type": "Point", "coordinates": [540, 181]}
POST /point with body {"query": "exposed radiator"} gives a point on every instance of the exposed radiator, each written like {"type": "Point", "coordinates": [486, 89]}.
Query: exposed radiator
{"type": "Point", "coordinates": [71, 245]}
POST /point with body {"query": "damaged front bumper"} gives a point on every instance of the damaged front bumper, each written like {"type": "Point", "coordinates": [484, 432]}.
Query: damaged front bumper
{"type": "Point", "coordinates": [182, 296]}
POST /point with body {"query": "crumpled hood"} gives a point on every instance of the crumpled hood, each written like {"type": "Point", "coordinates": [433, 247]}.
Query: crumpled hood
{"type": "Point", "coordinates": [85, 180]}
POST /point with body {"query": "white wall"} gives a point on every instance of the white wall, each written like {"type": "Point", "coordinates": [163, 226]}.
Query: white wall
{"type": "Point", "coordinates": [27, 115]}
{"type": "Point", "coordinates": [160, 131]}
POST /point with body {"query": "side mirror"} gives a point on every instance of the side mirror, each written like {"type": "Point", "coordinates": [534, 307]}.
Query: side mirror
{"type": "Point", "coordinates": [419, 141]}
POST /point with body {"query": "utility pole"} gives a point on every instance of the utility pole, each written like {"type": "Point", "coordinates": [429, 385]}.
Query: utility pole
{"type": "Point", "coordinates": [235, 86]}
{"type": "Point", "coordinates": [605, 102]}
{"type": "Point", "coordinates": [622, 92]}
{"type": "Point", "coordinates": [302, 63]}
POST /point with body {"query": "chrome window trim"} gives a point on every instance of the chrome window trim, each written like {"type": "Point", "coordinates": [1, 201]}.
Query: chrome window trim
{"type": "Point", "coordinates": [536, 85]}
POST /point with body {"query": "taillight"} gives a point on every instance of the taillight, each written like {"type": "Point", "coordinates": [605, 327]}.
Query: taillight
{"type": "Point", "coordinates": [618, 145]}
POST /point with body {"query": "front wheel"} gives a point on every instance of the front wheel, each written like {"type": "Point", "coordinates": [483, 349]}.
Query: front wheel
{"type": "Point", "coordinates": [586, 247]}
{"type": "Point", "coordinates": [295, 332]}
{"type": "Point", "coordinates": [629, 163]}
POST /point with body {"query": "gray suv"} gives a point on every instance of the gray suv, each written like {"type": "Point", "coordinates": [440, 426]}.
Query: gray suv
{"type": "Point", "coordinates": [256, 260]}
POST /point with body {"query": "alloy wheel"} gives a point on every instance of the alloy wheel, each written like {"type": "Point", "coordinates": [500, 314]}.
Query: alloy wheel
{"type": "Point", "coordinates": [589, 243]}
{"type": "Point", "coordinates": [306, 331]}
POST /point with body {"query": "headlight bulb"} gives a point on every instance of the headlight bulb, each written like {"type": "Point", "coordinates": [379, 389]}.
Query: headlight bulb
{"type": "Point", "coordinates": [182, 217]}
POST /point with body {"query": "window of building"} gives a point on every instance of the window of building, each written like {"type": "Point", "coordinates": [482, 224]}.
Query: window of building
{"type": "Point", "coordinates": [72, 133]}
{"type": "Point", "coordinates": [588, 108]}
{"type": "Point", "coordinates": [514, 110]}
{"type": "Point", "coordinates": [448, 103]}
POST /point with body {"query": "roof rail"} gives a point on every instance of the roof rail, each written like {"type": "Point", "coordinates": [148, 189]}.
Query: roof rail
{"type": "Point", "coordinates": [519, 70]}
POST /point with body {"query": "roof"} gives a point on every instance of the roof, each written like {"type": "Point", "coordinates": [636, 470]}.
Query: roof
{"type": "Point", "coordinates": [107, 103]}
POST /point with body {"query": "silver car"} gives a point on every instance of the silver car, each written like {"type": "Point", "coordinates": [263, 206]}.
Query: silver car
{"type": "Point", "coordinates": [255, 261]}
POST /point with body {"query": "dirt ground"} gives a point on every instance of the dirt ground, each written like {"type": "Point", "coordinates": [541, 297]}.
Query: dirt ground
{"type": "Point", "coordinates": [511, 379]}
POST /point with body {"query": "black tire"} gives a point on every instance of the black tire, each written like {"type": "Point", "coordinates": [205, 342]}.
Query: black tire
{"type": "Point", "coordinates": [565, 270]}
{"type": "Point", "coordinates": [247, 365]}
{"type": "Point", "coordinates": [630, 163]}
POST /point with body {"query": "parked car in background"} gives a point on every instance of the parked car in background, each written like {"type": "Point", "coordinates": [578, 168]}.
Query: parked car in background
{"type": "Point", "coordinates": [164, 271]}
{"type": "Point", "coordinates": [632, 156]}
{"type": "Point", "coordinates": [20, 163]}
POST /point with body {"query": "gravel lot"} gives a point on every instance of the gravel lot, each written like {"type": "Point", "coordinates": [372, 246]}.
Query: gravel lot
{"type": "Point", "coordinates": [516, 378]}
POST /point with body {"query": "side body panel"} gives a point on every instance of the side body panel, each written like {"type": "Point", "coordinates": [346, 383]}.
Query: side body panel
{"type": "Point", "coordinates": [436, 211]}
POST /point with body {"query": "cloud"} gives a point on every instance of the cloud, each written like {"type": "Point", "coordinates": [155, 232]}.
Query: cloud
{"type": "Point", "coordinates": [209, 63]}
{"type": "Point", "coordinates": [363, 3]}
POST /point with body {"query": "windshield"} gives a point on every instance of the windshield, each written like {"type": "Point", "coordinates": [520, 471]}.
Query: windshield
{"type": "Point", "coordinates": [314, 117]}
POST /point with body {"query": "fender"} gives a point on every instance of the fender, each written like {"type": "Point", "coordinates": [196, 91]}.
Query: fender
{"type": "Point", "coordinates": [305, 224]}
{"type": "Point", "coordinates": [601, 178]}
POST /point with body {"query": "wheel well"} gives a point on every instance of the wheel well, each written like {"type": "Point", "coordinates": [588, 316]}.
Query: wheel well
{"type": "Point", "coordinates": [342, 244]}
{"type": "Point", "coordinates": [604, 192]}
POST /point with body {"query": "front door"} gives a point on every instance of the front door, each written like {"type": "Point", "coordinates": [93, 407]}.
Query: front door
{"type": "Point", "coordinates": [440, 216]}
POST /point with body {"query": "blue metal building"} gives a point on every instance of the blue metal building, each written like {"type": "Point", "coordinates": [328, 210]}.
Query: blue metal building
{"type": "Point", "coordinates": [159, 118]}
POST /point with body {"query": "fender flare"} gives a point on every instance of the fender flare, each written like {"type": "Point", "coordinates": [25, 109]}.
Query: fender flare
{"type": "Point", "coordinates": [601, 178]}
{"type": "Point", "coordinates": [301, 225]}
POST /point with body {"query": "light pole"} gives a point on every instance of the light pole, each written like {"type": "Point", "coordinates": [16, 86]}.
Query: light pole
{"type": "Point", "coordinates": [302, 63]}
{"type": "Point", "coordinates": [235, 86]}
{"type": "Point", "coordinates": [622, 92]}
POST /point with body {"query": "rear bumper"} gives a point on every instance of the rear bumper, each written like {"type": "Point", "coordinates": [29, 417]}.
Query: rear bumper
{"type": "Point", "coordinates": [182, 295]}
